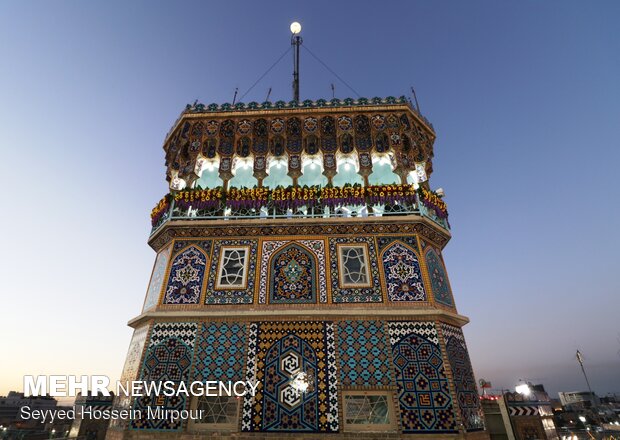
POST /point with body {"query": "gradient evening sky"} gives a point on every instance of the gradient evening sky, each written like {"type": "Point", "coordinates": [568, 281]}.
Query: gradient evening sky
{"type": "Point", "coordinates": [524, 96]}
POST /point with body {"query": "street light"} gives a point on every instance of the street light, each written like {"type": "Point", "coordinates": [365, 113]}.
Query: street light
{"type": "Point", "coordinates": [295, 27]}
{"type": "Point", "coordinates": [523, 389]}
{"type": "Point", "coordinates": [296, 42]}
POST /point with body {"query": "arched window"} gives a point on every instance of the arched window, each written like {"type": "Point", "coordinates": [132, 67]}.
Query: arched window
{"type": "Point", "coordinates": [382, 171]}
{"type": "Point", "coordinates": [347, 171]}
{"type": "Point", "coordinates": [312, 168]}
{"type": "Point", "coordinates": [210, 174]}
{"type": "Point", "coordinates": [243, 174]}
{"type": "Point", "coordinates": [277, 173]}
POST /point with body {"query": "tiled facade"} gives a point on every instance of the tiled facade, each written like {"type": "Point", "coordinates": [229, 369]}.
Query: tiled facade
{"type": "Point", "coordinates": [360, 305]}
{"type": "Point", "coordinates": [404, 356]}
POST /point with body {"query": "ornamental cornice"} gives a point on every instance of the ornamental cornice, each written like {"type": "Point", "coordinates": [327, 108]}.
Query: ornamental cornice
{"type": "Point", "coordinates": [249, 313]}
{"type": "Point", "coordinates": [411, 224]}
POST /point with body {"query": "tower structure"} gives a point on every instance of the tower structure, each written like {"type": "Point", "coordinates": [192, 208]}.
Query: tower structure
{"type": "Point", "coordinates": [301, 241]}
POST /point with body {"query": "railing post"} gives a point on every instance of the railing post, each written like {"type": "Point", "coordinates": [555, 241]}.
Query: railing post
{"type": "Point", "coordinates": [171, 208]}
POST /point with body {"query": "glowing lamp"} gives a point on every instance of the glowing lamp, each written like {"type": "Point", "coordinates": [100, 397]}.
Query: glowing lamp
{"type": "Point", "coordinates": [523, 389]}
{"type": "Point", "coordinates": [295, 28]}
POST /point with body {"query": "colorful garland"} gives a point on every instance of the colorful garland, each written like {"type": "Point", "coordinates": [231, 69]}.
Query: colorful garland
{"type": "Point", "coordinates": [295, 197]}
{"type": "Point", "coordinates": [199, 199]}
{"type": "Point", "coordinates": [432, 201]}
{"type": "Point", "coordinates": [390, 194]}
{"type": "Point", "coordinates": [160, 210]}
{"type": "Point", "coordinates": [344, 195]}
{"type": "Point", "coordinates": [247, 198]}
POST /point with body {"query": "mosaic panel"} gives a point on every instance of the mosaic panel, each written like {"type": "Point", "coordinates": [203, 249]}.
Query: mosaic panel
{"type": "Point", "coordinates": [423, 389]}
{"type": "Point", "coordinates": [439, 279]}
{"type": "Point", "coordinates": [363, 353]}
{"type": "Point", "coordinates": [277, 351]}
{"type": "Point", "coordinates": [220, 352]}
{"type": "Point", "coordinates": [130, 372]}
{"type": "Point", "coordinates": [157, 279]}
{"type": "Point", "coordinates": [168, 358]}
{"type": "Point", "coordinates": [463, 377]}
{"type": "Point", "coordinates": [385, 240]}
{"type": "Point", "coordinates": [231, 296]}
{"type": "Point", "coordinates": [185, 279]}
{"type": "Point", "coordinates": [204, 245]}
{"type": "Point", "coordinates": [354, 294]}
{"type": "Point", "coordinates": [317, 247]}
{"type": "Point", "coordinates": [403, 277]}
{"type": "Point", "coordinates": [292, 277]}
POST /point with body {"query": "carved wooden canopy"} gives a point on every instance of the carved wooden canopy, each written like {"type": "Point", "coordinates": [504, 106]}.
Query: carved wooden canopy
{"type": "Point", "coordinates": [327, 129]}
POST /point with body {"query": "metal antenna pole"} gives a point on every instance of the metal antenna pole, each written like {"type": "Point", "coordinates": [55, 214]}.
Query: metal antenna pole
{"type": "Point", "coordinates": [235, 97]}
{"type": "Point", "coordinates": [296, 41]}
{"type": "Point", "coordinates": [580, 360]}
{"type": "Point", "coordinates": [417, 105]}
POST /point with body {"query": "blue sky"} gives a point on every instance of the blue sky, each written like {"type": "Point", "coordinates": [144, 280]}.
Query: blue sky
{"type": "Point", "coordinates": [525, 99]}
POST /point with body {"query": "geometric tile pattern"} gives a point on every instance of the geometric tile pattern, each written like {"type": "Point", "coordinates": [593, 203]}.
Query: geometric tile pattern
{"type": "Point", "coordinates": [464, 380]}
{"type": "Point", "coordinates": [403, 276]}
{"type": "Point", "coordinates": [205, 245]}
{"type": "Point", "coordinates": [439, 279]}
{"type": "Point", "coordinates": [130, 372]}
{"type": "Point", "coordinates": [269, 247]}
{"type": "Point", "coordinates": [234, 295]}
{"type": "Point", "coordinates": [363, 354]}
{"type": "Point", "coordinates": [168, 358]}
{"type": "Point", "coordinates": [292, 276]}
{"type": "Point", "coordinates": [355, 294]}
{"type": "Point", "coordinates": [384, 240]}
{"type": "Point", "coordinates": [220, 350]}
{"type": "Point", "coordinates": [157, 279]}
{"type": "Point", "coordinates": [423, 389]}
{"type": "Point", "coordinates": [276, 352]}
{"type": "Point", "coordinates": [186, 276]}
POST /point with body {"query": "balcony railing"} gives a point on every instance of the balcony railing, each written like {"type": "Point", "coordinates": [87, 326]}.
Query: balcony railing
{"type": "Point", "coordinates": [271, 211]}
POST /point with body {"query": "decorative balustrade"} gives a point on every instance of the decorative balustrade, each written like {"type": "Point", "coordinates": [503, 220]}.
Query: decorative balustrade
{"type": "Point", "coordinates": [300, 202]}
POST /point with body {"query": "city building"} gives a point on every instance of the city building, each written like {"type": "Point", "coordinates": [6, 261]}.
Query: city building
{"type": "Point", "coordinates": [579, 399]}
{"type": "Point", "coordinates": [524, 415]}
{"type": "Point", "coordinates": [13, 426]}
{"type": "Point", "coordinates": [11, 404]}
{"type": "Point", "coordinates": [89, 424]}
{"type": "Point", "coordinates": [300, 248]}
{"type": "Point", "coordinates": [496, 417]}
